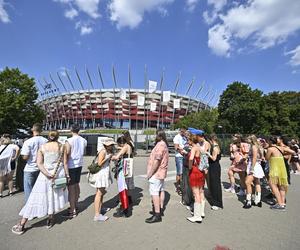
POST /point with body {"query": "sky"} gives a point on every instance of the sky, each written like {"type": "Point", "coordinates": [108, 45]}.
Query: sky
{"type": "Point", "coordinates": [210, 42]}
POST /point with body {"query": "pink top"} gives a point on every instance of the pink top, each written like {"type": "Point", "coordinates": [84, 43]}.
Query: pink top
{"type": "Point", "coordinates": [159, 152]}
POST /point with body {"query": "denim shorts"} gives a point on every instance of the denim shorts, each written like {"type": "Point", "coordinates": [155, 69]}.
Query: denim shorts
{"type": "Point", "coordinates": [75, 174]}
{"type": "Point", "coordinates": [179, 165]}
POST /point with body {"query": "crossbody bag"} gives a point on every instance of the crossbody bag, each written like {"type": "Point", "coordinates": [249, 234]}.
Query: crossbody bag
{"type": "Point", "coordinates": [60, 182]}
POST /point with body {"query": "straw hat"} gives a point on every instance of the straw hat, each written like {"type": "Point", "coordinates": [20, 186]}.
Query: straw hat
{"type": "Point", "coordinates": [109, 142]}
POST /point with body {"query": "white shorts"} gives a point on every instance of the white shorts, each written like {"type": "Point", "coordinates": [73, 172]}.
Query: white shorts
{"type": "Point", "coordinates": [156, 186]}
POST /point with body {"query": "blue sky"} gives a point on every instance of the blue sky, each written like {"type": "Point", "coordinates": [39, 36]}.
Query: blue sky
{"type": "Point", "coordinates": [214, 41]}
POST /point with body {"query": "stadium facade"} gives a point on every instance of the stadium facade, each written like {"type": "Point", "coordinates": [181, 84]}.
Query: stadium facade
{"type": "Point", "coordinates": [117, 108]}
{"type": "Point", "coordinates": [114, 107]}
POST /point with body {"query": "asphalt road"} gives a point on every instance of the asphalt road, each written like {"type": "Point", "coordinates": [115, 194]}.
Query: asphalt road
{"type": "Point", "coordinates": [233, 227]}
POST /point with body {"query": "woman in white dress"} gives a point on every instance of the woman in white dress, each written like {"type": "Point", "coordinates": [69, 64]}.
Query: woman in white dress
{"type": "Point", "coordinates": [102, 179]}
{"type": "Point", "coordinates": [8, 155]}
{"type": "Point", "coordinates": [44, 198]}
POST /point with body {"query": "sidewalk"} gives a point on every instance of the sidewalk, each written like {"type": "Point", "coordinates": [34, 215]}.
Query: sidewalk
{"type": "Point", "coordinates": [234, 227]}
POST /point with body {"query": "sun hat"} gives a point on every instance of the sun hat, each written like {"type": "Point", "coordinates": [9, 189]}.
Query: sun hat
{"type": "Point", "coordinates": [108, 142]}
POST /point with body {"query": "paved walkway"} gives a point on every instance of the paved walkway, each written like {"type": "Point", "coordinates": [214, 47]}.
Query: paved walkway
{"type": "Point", "coordinates": [234, 227]}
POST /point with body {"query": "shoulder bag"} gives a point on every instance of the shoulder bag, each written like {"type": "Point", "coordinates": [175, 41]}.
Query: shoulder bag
{"type": "Point", "coordinates": [60, 182]}
{"type": "Point", "coordinates": [94, 167]}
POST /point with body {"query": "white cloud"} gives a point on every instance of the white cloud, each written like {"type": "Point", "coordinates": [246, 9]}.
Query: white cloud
{"type": "Point", "coordinates": [261, 23]}
{"type": "Point", "coordinates": [84, 28]}
{"type": "Point", "coordinates": [71, 13]}
{"type": "Point", "coordinates": [90, 7]}
{"type": "Point", "coordinates": [191, 5]}
{"type": "Point", "coordinates": [219, 40]}
{"type": "Point", "coordinates": [3, 13]}
{"type": "Point", "coordinates": [210, 17]}
{"type": "Point", "coordinates": [295, 56]}
{"type": "Point", "coordinates": [130, 13]}
{"type": "Point", "coordinates": [217, 4]}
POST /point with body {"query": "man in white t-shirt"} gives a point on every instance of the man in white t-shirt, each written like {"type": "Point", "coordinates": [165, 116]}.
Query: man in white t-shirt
{"type": "Point", "coordinates": [180, 142]}
{"type": "Point", "coordinates": [75, 148]}
{"type": "Point", "coordinates": [29, 154]}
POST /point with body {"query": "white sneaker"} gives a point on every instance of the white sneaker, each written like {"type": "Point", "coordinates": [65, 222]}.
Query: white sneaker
{"type": "Point", "coordinates": [215, 208]}
{"type": "Point", "coordinates": [194, 219]}
{"type": "Point", "coordinates": [230, 190]}
{"type": "Point", "coordinates": [101, 218]}
{"type": "Point", "coordinates": [241, 193]}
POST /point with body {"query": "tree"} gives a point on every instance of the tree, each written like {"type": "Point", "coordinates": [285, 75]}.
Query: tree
{"type": "Point", "coordinates": [280, 114]}
{"type": "Point", "coordinates": [205, 119]}
{"type": "Point", "coordinates": [240, 109]}
{"type": "Point", "coordinates": [18, 107]}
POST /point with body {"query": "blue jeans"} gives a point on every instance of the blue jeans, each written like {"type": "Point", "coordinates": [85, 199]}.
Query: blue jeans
{"type": "Point", "coordinates": [29, 180]}
{"type": "Point", "coordinates": [179, 165]}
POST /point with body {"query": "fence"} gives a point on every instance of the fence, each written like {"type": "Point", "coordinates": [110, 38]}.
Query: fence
{"type": "Point", "coordinates": [146, 142]}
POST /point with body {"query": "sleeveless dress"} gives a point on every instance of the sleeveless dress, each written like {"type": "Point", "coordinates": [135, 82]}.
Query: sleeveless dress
{"type": "Point", "coordinates": [44, 199]}
{"type": "Point", "coordinates": [214, 175]}
{"type": "Point", "coordinates": [187, 194]}
{"type": "Point", "coordinates": [278, 174]}
{"type": "Point", "coordinates": [197, 178]}
{"type": "Point", "coordinates": [103, 178]}
{"type": "Point", "coordinates": [257, 170]}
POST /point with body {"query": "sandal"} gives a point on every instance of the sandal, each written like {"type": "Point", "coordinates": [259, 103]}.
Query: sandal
{"type": "Point", "coordinates": [70, 215]}
{"type": "Point", "coordinates": [18, 229]}
{"type": "Point", "coordinates": [50, 223]}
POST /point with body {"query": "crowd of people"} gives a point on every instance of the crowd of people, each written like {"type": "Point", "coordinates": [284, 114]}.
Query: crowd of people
{"type": "Point", "coordinates": [53, 170]}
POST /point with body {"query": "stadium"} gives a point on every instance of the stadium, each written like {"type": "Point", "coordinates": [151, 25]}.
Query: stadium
{"type": "Point", "coordinates": [114, 107]}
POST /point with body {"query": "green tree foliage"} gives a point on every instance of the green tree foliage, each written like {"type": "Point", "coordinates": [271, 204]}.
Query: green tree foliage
{"type": "Point", "coordinates": [205, 119]}
{"type": "Point", "coordinates": [18, 95]}
{"type": "Point", "coordinates": [280, 114]}
{"type": "Point", "coordinates": [239, 109]}
{"type": "Point", "coordinates": [247, 111]}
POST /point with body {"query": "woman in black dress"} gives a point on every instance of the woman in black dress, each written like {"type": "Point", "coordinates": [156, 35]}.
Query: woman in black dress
{"type": "Point", "coordinates": [214, 171]}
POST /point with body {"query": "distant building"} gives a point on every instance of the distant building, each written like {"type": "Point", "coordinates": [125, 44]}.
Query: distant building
{"type": "Point", "coordinates": [117, 108]}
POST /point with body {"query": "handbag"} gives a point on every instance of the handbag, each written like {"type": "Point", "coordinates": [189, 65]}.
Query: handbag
{"type": "Point", "coordinates": [203, 162]}
{"type": "Point", "coordinates": [128, 167]}
{"type": "Point", "coordinates": [94, 167]}
{"type": "Point", "coordinates": [60, 182]}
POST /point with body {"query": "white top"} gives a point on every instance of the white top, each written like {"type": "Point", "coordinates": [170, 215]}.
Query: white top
{"type": "Point", "coordinates": [78, 145]}
{"type": "Point", "coordinates": [30, 148]}
{"type": "Point", "coordinates": [181, 141]}
{"type": "Point", "coordinates": [5, 158]}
